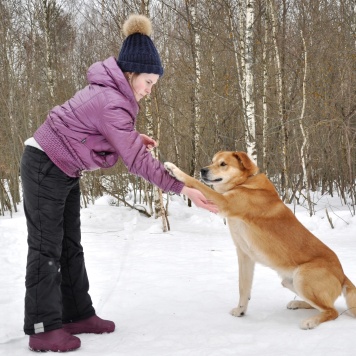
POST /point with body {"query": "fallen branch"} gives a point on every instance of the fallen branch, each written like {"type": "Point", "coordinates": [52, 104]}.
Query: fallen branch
{"type": "Point", "coordinates": [329, 218]}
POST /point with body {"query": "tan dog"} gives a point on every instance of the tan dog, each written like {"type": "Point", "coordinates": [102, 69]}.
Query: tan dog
{"type": "Point", "coordinates": [265, 230]}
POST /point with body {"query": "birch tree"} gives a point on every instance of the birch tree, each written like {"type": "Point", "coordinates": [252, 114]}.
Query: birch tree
{"type": "Point", "coordinates": [280, 100]}
{"type": "Point", "coordinates": [238, 45]}
{"type": "Point", "coordinates": [264, 93]}
{"type": "Point", "coordinates": [7, 97]}
{"type": "Point", "coordinates": [250, 119]}
{"type": "Point", "coordinates": [159, 210]}
{"type": "Point", "coordinates": [211, 12]}
{"type": "Point", "coordinates": [305, 144]}
{"type": "Point", "coordinates": [48, 12]}
{"type": "Point", "coordinates": [168, 58]}
{"type": "Point", "coordinates": [191, 6]}
{"type": "Point", "coordinates": [244, 63]}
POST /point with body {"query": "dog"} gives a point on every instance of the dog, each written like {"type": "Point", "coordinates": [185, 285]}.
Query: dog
{"type": "Point", "coordinates": [265, 230]}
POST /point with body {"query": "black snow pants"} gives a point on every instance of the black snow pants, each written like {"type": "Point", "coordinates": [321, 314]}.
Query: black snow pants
{"type": "Point", "coordinates": [56, 280]}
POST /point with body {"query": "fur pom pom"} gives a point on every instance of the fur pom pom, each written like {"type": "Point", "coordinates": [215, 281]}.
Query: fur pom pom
{"type": "Point", "coordinates": [137, 24]}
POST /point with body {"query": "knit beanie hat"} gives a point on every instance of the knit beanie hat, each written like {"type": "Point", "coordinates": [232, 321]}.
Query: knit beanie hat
{"type": "Point", "coordinates": [138, 53]}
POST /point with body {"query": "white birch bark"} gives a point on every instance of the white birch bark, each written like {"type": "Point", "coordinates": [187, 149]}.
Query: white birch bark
{"type": "Point", "coordinates": [243, 50]}
{"type": "Point", "coordinates": [352, 10]}
{"type": "Point", "coordinates": [305, 144]}
{"type": "Point", "coordinates": [150, 133]}
{"type": "Point", "coordinates": [197, 92]}
{"type": "Point", "coordinates": [242, 29]}
{"type": "Point", "coordinates": [159, 210]}
{"type": "Point", "coordinates": [250, 120]}
{"type": "Point", "coordinates": [264, 97]}
{"type": "Point", "coordinates": [279, 82]}
{"type": "Point", "coordinates": [196, 51]}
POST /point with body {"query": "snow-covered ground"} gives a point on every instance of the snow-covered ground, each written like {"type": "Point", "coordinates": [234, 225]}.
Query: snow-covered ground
{"type": "Point", "coordinates": [171, 293]}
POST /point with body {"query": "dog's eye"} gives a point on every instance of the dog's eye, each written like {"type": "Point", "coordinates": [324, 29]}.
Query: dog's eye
{"type": "Point", "coordinates": [222, 164]}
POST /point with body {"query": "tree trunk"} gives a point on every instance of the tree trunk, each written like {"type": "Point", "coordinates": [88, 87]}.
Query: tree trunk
{"type": "Point", "coordinates": [264, 95]}
{"type": "Point", "coordinates": [49, 9]}
{"type": "Point", "coordinates": [244, 63]}
{"type": "Point", "coordinates": [157, 193]}
{"type": "Point", "coordinates": [281, 114]}
{"type": "Point", "coordinates": [250, 119]}
{"type": "Point", "coordinates": [305, 144]}
{"type": "Point", "coordinates": [196, 53]}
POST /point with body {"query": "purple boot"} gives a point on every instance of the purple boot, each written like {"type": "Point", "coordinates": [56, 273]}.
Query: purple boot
{"type": "Point", "coordinates": [92, 325]}
{"type": "Point", "coordinates": [55, 340]}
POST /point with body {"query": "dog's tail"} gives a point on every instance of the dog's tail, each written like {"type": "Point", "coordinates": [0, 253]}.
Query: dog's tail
{"type": "Point", "coordinates": [349, 292]}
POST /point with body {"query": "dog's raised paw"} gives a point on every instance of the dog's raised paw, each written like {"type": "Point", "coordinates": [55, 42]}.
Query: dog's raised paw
{"type": "Point", "coordinates": [174, 171]}
{"type": "Point", "coordinates": [170, 167]}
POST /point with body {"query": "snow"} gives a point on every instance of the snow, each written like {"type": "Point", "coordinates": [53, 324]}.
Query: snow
{"type": "Point", "coordinates": [171, 293]}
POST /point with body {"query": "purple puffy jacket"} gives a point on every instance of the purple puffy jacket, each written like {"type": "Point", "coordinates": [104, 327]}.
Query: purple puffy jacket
{"type": "Point", "coordinates": [96, 127]}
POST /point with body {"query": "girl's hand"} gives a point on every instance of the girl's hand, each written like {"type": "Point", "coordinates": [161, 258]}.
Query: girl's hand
{"type": "Point", "coordinates": [149, 142]}
{"type": "Point", "coordinates": [199, 199]}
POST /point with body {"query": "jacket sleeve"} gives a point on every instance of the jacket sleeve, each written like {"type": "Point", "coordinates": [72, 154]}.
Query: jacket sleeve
{"type": "Point", "coordinates": [117, 126]}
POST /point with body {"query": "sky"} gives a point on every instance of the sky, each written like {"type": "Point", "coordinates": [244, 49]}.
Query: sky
{"type": "Point", "coordinates": [171, 293]}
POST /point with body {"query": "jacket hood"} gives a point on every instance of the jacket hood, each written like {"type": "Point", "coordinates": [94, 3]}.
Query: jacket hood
{"type": "Point", "coordinates": [107, 73]}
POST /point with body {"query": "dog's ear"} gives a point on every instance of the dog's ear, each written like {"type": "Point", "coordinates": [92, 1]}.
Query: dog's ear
{"type": "Point", "coordinates": [246, 162]}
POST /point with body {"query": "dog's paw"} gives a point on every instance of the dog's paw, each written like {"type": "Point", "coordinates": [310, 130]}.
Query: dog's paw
{"type": "Point", "coordinates": [239, 311]}
{"type": "Point", "coordinates": [174, 171]}
{"type": "Point", "coordinates": [298, 304]}
{"type": "Point", "coordinates": [309, 323]}
{"type": "Point", "coordinates": [170, 167]}
{"type": "Point", "coordinates": [293, 305]}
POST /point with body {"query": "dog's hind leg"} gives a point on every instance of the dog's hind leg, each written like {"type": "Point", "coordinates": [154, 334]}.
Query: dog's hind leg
{"type": "Point", "coordinates": [294, 304]}
{"type": "Point", "coordinates": [246, 270]}
{"type": "Point", "coordinates": [319, 288]}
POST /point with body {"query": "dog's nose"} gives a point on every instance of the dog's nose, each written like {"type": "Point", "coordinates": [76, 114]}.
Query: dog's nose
{"type": "Point", "coordinates": [204, 172]}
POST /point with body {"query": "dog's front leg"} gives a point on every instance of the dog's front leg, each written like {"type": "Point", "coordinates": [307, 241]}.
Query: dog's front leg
{"type": "Point", "coordinates": [246, 270]}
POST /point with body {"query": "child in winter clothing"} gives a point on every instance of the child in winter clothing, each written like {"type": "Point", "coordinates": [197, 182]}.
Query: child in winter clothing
{"type": "Point", "coordinates": [91, 130]}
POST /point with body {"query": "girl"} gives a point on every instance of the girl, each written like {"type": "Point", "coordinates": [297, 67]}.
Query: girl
{"type": "Point", "coordinates": [91, 130]}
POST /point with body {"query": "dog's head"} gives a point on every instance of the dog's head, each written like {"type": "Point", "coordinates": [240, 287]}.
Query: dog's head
{"type": "Point", "coordinates": [227, 170]}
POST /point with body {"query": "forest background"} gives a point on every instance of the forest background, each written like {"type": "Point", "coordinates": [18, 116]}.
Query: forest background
{"type": "Point", "coordinates": [275, 78]}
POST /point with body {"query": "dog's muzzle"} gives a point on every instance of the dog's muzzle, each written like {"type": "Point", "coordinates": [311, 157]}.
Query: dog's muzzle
{"type": "Point", "coordinates": [204, 174]}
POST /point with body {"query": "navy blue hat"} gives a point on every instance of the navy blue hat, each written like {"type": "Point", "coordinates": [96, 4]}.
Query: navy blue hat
{"type": "Point", "coordinates": [138, 53]}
